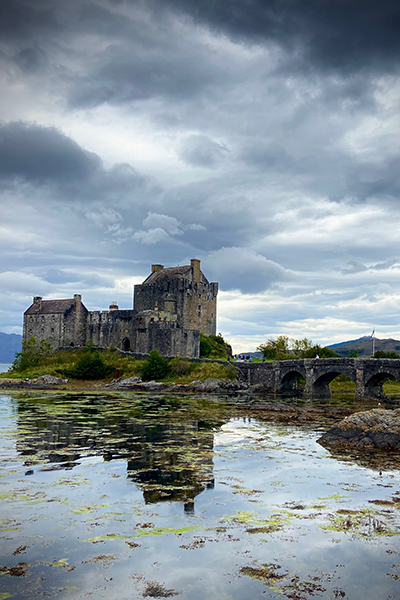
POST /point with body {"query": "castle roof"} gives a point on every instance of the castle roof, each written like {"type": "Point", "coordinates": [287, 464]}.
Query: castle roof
{"type": "Point", "coordinates": [172, 273]}
{"type": "Point", "coordinates": [48, 307]}
{"type": "Point", "coordinates": [168, 272]}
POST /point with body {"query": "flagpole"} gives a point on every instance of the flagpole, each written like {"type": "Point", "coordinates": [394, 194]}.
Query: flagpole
{"type": "Point", "coordinates": [373, 342]}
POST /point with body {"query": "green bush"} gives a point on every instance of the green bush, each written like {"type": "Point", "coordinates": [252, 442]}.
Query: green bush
{"type": "Point", "coordinates": [285, 348]}
{"type": "Point", "coordinates": [155, 367]}
{"type": "Point", "coordinates": [214, 346]}
{"type": "Point", "coordinates": [90, 365]}
{"type": "Point", "coordinates": [382, 354]}
{"type": "Point", "coordinates": [181, 367]}
{"type": "Point", "coordinates": [32, 353]}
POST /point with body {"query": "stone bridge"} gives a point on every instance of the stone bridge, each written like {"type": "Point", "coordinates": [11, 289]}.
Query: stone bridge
{"type": "Point", "coordinates": [282, 377]}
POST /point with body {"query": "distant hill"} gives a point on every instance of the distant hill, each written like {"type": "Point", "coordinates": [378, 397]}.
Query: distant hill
{"type": "Point", "coordinates": [10, 343]}
{"type": "Point", "coordinates": [251, 354]}
{"type": "Point", "coordinates": [364, 346]}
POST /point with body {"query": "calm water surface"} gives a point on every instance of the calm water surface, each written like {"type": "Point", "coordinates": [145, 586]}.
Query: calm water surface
{"type": "Point", "coordinates": [133, 496]}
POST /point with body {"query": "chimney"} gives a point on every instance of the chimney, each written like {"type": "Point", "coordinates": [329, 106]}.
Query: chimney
{"type": "Point", "coordinates": [78, 298]}
{"type": "Point", "coordinates": [38, 300]}
{"type": "Point", "coordinates": [195, 263]}
{"type": "Point", "coordinates": [155, 268]}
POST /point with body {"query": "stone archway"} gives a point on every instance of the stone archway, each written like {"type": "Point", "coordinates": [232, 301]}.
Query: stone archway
{"type": "Point", "coordinates": [291, 383]}
{"type": "Point", "coordinates": [126, 344]}
{"type": "Point", "coordinates": [374, 385]}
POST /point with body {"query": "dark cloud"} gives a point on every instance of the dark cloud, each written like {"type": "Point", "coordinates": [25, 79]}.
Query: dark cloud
{"type": "Point", "coordinates": [244, 270]}
{"type": "Point", "coordinates": [44, 155]}
{"type": "Point", "coordinates": [31, 59]}
{"type": "Point", "coordinates": [22, 20]}
{"type": "Point", "coordinates": [35, 153]}
{"type": "Point", "coordinates": [379, 179]}
{"type": "Point", "coordinates": [343, 34]}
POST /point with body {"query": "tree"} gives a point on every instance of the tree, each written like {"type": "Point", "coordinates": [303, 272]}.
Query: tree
{"type": "Point", "coordinates": [382, 354]}
{"type": "Point", "coordinates": [285, 348]}
{"type": "Point", "coordinates": [155, 367]}
{"type": "Point", "coordinates": [276, 349]}
{"type": "Point", "coordinates": [90, 365]}
{"type": "Point", "coordinates": [32, 352]}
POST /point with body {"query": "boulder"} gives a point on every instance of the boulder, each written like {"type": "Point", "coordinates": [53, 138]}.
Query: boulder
{"type": "Point", "coordinates": [219, 385]}
{"type": "Point", "coordinates": [125, 384]}
{"type": "Point", "coordinates": [49, 380]}
{"type": "Point", "coordinates": [377, 428]}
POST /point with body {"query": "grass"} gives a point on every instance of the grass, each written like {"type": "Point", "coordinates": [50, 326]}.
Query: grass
{"type": "Point", "coordinates": [183, 370]}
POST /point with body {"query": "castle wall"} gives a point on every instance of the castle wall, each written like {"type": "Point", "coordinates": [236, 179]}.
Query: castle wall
{"type": "Point", "coordinates": [44, 327]}
{"type": "Point", "coordinates": [169, 339]}
{"type": "Point", "coordinates": [60, 329]}
{"type": "Point", "coordinates": [111, 327]}
{"type": "Point", "coordinates": [200, 307]}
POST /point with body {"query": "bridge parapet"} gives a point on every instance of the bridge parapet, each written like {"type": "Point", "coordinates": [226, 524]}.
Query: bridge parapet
{"type": "Point", "coordinates": [283, 376]}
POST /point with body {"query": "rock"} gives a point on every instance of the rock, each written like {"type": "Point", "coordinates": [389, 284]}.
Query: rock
{"type": "Point", "coordinates": [377, 428]}
{"type": "Point", "coordinates": [124, 384]}
{"type": "Point", "coordinates": [49, 380]}
{"type": "Point", "coordinates": [219, 385]}
{"type": "Point", "coordinates": [156, 386]}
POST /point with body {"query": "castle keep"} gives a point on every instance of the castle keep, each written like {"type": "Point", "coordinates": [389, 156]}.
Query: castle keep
{"type": "Point", "coordinates": [171, 307]}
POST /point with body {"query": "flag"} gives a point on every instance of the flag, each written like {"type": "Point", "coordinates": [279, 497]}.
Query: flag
{"type": "Point", "coordinates": [372, 334]}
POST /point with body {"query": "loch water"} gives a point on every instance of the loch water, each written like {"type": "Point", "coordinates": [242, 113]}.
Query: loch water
{"type": "Point", "coordinates": [128, 496]}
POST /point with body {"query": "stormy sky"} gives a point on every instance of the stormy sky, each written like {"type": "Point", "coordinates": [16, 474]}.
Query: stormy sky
{"type": "Point", "coordinates": [261, 136]}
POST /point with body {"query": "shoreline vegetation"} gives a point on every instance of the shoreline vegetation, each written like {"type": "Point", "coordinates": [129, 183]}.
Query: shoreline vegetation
{"type": "Point", "coordinates": [89, 368]}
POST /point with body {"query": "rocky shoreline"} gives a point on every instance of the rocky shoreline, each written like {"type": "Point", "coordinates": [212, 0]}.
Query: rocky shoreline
{"type": "Point", "coordinates": [377, 428]}
{"type": "Point", "coordinates": [221, 386]}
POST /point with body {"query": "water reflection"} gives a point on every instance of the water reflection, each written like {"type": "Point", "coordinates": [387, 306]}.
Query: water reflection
{"type": "Point", "coordinates": [168, 460]}
{"type": "Point", "coordinates": [90, 486]}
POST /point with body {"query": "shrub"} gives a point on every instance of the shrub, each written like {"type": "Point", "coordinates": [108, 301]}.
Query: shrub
{"type": "Point", "coordinates": [155, 367]}
{"type": "Point", "coordinates": [32, 353]}
{"type": "Point", "coordinates": [382, 354]}
{"type": "Point", "coordinates": [90, 365]}
{"type": "Point", "coordinates": [181, 366]}
{"type": "Point", "coordinates": [214, 346]}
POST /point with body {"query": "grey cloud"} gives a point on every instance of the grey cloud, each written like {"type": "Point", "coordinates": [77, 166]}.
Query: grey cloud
{"type": "Point", "coordinates": [368, 180]}
{"type": "Point", "coordinates": [44, 155]}
{"type": "Point", "coordinates": [201, 151]}
{"type": "Point", "coordinates": [241, 268]}
{"type": "Point", "coordinates": [388, 264]}
{"type": "Point", "coordinates": [33, 152]}
{"type": "Point", "coordinates": [342, 35]}
{"type": "Point", "coordinates": [169, 224]}
{"type": "Point", "coordinates": [31, 59]}
{"type": "Point", "coordinates": [264, 154]}
{"type": "Point", "coordinates": [353, 266]}
{"type": "Point", "coordinates": [23, 19]}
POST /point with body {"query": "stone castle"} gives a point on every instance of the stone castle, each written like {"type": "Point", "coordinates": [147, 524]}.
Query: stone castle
{"type": "Point", "coordinates": [171, 307]}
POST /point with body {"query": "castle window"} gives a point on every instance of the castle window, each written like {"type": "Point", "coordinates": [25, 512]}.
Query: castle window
{"type": "Point", "coordinates": [52, 330]}
{"type": "Point", "coordinates": [199, 310]}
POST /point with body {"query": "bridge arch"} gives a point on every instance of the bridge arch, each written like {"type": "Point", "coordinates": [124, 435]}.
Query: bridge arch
{"type": "Point", "coordinates": [321, 385]}
{"type": "Point", "coordinates": [374, 384]}
{"type": "Point", "coordinates": [290, 383]}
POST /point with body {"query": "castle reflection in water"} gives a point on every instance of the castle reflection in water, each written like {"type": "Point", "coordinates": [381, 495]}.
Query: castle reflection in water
{"type": "Point", "coordinates": [169, 459]}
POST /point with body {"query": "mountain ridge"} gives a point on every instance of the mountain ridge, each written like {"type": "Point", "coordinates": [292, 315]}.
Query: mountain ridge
{"type": "Point", "coordinates": [10, 343]}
